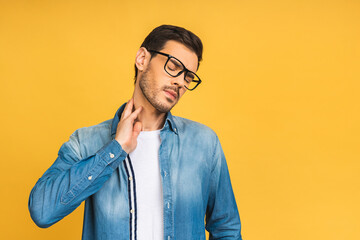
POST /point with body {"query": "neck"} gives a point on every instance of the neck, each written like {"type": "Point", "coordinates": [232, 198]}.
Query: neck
{"type": "Point", "coordinates": [150, 118]}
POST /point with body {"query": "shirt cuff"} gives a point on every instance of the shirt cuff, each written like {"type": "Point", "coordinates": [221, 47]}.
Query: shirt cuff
{"type": "Point", "coordinates": [111, 152]}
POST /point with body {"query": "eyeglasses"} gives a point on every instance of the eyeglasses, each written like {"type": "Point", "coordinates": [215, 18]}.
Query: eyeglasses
{"type": "Point", "coordinates": [174, 67]}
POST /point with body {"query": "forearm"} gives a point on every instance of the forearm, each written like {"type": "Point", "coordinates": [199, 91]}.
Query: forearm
{"type": "Point", "coordinates": [64, 186]}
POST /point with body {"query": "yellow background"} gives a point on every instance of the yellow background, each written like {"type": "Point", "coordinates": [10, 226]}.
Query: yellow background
{"type": "Point", "coordinates": [280, 88]}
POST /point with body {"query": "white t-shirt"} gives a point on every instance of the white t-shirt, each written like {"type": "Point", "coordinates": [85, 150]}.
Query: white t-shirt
{"type": "Point", "coordinates": [149, 195]}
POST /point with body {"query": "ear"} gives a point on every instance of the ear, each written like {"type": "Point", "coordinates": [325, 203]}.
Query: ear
{"type": "Point", "coordinates": [142, 59]}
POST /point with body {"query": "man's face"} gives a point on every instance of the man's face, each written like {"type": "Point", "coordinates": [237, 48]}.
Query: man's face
{"type": "Point", "coordinates": [159, 88]}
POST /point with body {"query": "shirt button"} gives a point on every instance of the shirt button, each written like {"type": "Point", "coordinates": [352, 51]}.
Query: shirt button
{"type": "Point", "coordinates": [165, 173]}
{"type": "Point", "coordinates": [132, 210]}
{"type": "Point", "coordinates": [168, 237]}
{"type": "Point", "coordinates": [112, 155]}
{"type": "Point", "coordinates": [90, 177]}
{"type": "Point", "coordinates": [168, 205]}
{"type": "Point", "coordinates": [175, 129]}
{"type": "Point", "coordinates": [130, 178]}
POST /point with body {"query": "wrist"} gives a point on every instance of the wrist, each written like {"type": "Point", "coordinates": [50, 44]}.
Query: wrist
{"type": "Point", "coordinates": [123, 145]}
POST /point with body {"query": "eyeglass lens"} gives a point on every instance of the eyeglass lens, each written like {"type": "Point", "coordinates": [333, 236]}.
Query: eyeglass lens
{"type": "Point", "coordinates": [174, 67]}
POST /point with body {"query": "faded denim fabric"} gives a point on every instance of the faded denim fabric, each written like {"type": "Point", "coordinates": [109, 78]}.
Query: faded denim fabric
{"type": "Point", "coordinates": [90, 166]}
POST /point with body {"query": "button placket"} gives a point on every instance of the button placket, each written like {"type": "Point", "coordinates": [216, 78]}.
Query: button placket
{"type": "Point", "coordinates": [167, 198]}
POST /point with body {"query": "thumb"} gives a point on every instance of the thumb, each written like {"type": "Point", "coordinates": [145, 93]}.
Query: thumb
{"type": "Point", "coordinates": [137, 129]}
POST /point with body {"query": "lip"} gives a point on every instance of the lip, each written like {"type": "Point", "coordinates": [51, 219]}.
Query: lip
{"type": "Point", "coordinates": [171, 93]}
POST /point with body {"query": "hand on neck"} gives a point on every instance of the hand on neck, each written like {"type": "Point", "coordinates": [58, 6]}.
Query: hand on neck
{"type": "Point", "coordinates": [150, 118]}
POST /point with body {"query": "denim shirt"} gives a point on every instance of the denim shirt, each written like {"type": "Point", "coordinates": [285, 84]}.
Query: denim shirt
{"type": "Point", "coordinates": [92, 166]}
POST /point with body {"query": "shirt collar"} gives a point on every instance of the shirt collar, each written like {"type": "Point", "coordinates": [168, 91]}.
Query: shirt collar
{"type": "Point", "coordinates": [169, 120]}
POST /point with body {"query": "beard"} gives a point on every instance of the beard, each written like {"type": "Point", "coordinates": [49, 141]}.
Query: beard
{"type": "Point", "coordinates": [151, 93]}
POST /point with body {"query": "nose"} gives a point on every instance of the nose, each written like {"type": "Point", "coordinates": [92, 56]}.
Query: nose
{"type": "Point", "coordinates": [179, 80]}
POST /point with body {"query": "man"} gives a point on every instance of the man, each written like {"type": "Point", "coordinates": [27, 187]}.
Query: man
{"type": "Point", "coordinates": [145, 174]}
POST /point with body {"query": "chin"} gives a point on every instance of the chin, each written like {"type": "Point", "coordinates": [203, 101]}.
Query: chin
{"type": "Point", "coordinates": [163, 107]}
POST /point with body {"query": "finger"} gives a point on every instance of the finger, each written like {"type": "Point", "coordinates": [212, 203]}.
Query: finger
{"type": "Point", "coordinates": [128, 108]}
{"type": "Point", "coordinates": [134, 114]}
{"type": "Point", "coordinates": [124, 111]}
{"type": "Point", "coordinates": [137, 129]}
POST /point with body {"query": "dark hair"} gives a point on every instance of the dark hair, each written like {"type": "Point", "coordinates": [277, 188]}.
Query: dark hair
{"type": "Point", "coordinates": [160, 35]}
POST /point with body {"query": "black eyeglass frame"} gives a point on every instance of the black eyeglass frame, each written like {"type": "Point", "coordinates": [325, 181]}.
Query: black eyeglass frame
{"type": "Point", "coordinates": [179, 73]}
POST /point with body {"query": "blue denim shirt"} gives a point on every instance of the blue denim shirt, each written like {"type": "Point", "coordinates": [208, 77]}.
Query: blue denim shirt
{"type": "Point", "coordinates": [92, 166]}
